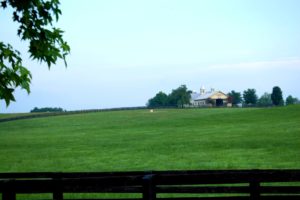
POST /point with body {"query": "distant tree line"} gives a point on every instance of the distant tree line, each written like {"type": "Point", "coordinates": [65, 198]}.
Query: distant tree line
{"type": "Point", "coordinates": [47, 109]}
{"type": "Point", "coordinates": [181, 96]}
{"type": "Point", "coordinates": [177, 98]}
{"type": "Point", "coordinates": [291, 100]}
{"type": "Point", "coordinates": [250, 98]}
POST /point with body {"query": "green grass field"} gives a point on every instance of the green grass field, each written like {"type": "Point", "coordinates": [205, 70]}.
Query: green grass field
{"type": "Point", "coordinates": [171, 139]}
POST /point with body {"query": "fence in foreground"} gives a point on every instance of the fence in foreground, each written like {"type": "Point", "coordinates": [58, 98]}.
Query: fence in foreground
{"type": "Point", "coordinates": [164, 185]}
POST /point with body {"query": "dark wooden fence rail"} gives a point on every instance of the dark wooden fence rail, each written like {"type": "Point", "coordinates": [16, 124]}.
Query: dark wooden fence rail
{"type": "Point", "coordinates": [52, 114]}
{"type": "Point", "coordinates": [207, 184]}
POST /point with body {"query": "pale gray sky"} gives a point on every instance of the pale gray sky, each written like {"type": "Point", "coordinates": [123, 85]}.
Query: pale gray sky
{"type": "Point", "coordinates": [124, 52]}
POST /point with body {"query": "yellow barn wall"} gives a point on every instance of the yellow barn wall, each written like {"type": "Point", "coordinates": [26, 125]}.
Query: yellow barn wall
{"type": "Point", "coordinates": [218, 95]}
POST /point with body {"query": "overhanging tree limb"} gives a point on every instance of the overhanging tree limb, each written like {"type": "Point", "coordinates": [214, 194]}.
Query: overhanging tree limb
{"type": "Point", "coordinates": [46, 44]}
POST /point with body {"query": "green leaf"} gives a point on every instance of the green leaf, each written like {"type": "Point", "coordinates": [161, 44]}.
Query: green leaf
{"type": "Point", "coordinates": [46, 43]}
{"type": "Point", "coordinates": [3, 4]}
{"type": "Point", "coordinates": [8, 96]}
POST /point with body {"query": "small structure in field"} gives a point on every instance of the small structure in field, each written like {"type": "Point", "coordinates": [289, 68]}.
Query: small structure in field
{"type": "Point", "coordinates": [210, 98]}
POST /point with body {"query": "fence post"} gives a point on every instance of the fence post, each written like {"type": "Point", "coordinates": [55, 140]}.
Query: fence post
{"type": "Point", "coordinates": [8, 196]}
{"type": "Point", "coordinates": [8, 193]}
{"type": "Point", "coordinates": [58, 193]}
{"type": "Point", "coordinates": [254, 190]}
{"type": "Point", "coordinates": [149, 187]}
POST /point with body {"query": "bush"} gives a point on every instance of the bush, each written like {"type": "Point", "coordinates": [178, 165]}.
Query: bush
{"type": "Point", "coordinates": [47, 109]}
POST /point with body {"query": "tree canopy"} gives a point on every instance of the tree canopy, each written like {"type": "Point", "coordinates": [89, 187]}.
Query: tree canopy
{"type": "Point", "coordinates": [250, 97]}
{"type": "Point", "coordinates": [159, 100]}
{"type": "Point", "coordinates": [277, 96]}
{"type": "Point", "coordinates": [46, 109]}
{"type": "Point", "coordinates": [265, 100]}
{"type": "Point", "coordinates": [291, 100]}
{"type": "Point", "coordinates": [180, 96]}
{"type": "Point", "coordinates": [177, 98]}
{"type": "Point", "coordinates": [46, 43]}
{"type": "Point", "coordinates": [235, 97]}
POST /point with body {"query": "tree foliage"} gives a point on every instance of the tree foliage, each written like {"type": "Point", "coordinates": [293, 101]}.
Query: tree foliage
{"type": "Point", "coordinates": [265, 100]}
{"type": "Point", "coordinates": [177, 98]}
{"type": "Point", "coordinates": [15, 75]}
{"type": "Point", "coordinates": [159, 100]}
{"type": "Point", "coordinates": [46, 109]}
{"type": "Point", "coordinates": [250, 97]}
{"type": "Point", "coordinates": [291, 100]}
{"type": "Point", "coordinates": [235, 97]}
{"type": "Point", "coordinates": [277, 96]}
{"type": "Point", "coordinates": [46, 44]}
{"type": "Point", "coordinates": [180, 96]}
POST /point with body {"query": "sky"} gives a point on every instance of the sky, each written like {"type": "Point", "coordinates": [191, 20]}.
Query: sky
{"type": "Point", "coordinates": [125, 51]}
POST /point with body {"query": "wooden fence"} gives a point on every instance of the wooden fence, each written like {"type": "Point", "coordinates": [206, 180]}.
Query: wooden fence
{"type": "Point", "coordinates": [164, 185]}
{"type": "Point", "coordinates": [52, 114]}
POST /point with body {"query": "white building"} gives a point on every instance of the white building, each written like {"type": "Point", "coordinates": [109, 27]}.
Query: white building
{"type": "Point", "coordinates": [210, 98]}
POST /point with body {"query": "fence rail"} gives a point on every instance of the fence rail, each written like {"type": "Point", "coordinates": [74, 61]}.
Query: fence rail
{"type": "Point", "coordinates": [52, 114]}
{"type": "Point", "coordinates": [207, 184]}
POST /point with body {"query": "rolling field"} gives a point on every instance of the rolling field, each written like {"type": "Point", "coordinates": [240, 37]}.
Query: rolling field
{"type": "Point", "coordinates": [248, 138]}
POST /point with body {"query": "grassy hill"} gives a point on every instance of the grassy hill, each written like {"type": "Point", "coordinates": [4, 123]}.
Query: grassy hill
{"type": "Point", "coordinates": [2, 116]}
{"type": "Point", "coordinates": [163, 140]}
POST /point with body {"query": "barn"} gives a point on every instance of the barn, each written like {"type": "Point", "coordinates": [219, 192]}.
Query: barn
{"type": "Point", "coordinates": [209, 98]}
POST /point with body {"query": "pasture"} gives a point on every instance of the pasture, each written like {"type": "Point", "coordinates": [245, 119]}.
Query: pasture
{"type": "Point", "coordinates": [167, 139]}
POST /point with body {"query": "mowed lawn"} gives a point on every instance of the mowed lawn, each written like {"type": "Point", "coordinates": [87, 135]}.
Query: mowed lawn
{"type": "Point", "coordinates": [167, 139]}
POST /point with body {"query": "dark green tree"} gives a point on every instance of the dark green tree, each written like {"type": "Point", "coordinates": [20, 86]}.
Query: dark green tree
{"type": "Point", "coordinates": [46, 109]}
{"type": "Point", "coordinates": [180, 96]}
{"type": "Point", "coordinates": [250, 97]}
{"type": "Point", "coordinates": [291, 100]}
{"type": "Point", "coordinates": [276, 96]}
{"type": "Point", "coordinates": [235, 97]}
{"type": "Point", "coordinates": [265, 100]}
{"type": "Point", "coordinates": [159, 100]}
{"type": "Point", "coordinates": [35, 19]}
